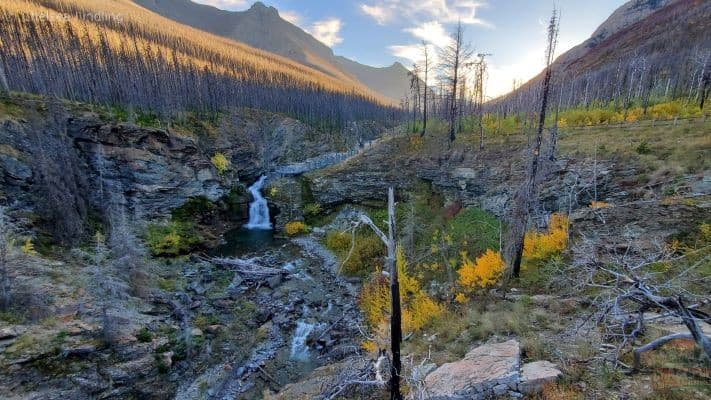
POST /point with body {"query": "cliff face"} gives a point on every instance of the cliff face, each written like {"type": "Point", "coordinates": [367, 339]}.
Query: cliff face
{"type": "Point", "coordinates": [57, 163]}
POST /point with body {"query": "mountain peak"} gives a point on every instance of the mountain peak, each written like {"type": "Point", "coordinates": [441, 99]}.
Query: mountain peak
{"type": "Point", "coordinates": [261, 8]}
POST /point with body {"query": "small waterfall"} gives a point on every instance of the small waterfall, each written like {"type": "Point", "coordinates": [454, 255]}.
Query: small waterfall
{"type": "Point", "coordinates": [258, 210]}
{"type": "Point", "coordinates": [299, 349]}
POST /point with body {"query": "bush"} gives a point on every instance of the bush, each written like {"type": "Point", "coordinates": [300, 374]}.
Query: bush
{"type": "Point", "coordinates": [543, 245]}
{"type": "Point", "coordinates": [221, 163]}
{"type": "Point", "coordinates": [294, 228]}
{"type": "Point", "coordinates": [368, 253]}
{"type": "Point", "coordinates": [144, 335]}
{"type": "Point", "coordinates": [418, 309]}
{"type": "Point", "coordinates": [312, 209]}
{"type": "Point", "coordinates": [338, 242]}
{"type": "Point", "coordinates": [643, 148]}
{"type": "Point", "coordinates": [482, 273]}
{"type": "Point", "coordinates": [172, 239]}
{"type": "Point", "coordinates": [194, 208]}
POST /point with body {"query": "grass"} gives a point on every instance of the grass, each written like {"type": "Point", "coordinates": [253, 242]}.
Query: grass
{"type": "Point", "coordinates": [661, 149]}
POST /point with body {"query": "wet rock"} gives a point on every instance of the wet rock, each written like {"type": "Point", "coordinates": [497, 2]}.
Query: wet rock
{"type": "Point", "coordinates": [535, 374]}
{"type": "Point", "coordinates": [195, 304]}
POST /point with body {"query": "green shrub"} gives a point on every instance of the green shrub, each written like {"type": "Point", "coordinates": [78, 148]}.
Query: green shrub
{"type": "Point", "coordinates": [147, 119]}
{"type": "Point", "coordinates": [338, 242]}
{"type": "Point", "coordinates": [172, 239]}
{"type": "Point", "coordinates": [643, 148]}
{"type": "Point", "coordinates": [312, 209]}
{"type": "Point", "coordinates": [194, 208]}
{"type": "Point", "coordinates": [144, 335]}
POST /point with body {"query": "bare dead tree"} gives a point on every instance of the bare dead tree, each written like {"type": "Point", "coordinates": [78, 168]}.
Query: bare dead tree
{"type": "Point", "coordinates": [527, 192]}
{"type": "Point", "coordinates": [454, 56]}
{"type": "Point", "coordinates": [414, 75]}
{"type": "Point", "coordinates": [426, 66]}
{"type": "Point", "coordinates": [396, 311]}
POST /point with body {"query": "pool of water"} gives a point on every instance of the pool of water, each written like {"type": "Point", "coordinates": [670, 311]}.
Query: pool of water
{"type": "Point", "coordinates": [242, 241]}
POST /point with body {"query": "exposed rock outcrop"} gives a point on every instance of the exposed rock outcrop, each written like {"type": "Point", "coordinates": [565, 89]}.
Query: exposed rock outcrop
{"type": "Point", "coordinates": [489, 370]}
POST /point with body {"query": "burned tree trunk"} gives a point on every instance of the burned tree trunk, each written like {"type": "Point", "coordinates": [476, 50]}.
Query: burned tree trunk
{"type": "Point", "coordinates": [526, 192]}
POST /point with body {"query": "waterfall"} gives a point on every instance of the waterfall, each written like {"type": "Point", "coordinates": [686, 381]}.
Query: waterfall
{"type": "Point", "coordinates": [258, 210]}
{"type": "Point", "coordinates": [299, 349]}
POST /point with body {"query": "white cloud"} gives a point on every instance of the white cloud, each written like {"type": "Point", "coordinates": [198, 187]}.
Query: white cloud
{"type": "Point", "coordinates": [381, 15]}
{"type": "Point", "coordinates": [291, 16]}
{"type": "Point", "coordinates": [445, 11]}
{"type": "Point", "coordinates": [431, 32]}
{"type": "Point", "coordinates": [327, 31]}
{"type": "Point", "coordinates": [234, 5]}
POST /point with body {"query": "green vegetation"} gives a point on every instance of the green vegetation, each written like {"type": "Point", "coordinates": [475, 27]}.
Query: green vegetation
{"type": "Point", "coordinates": [194, 209]}
{"type": "Point", "coordinates": [172, 239]}
{"type": "Point", "coordinates": [144, 335]}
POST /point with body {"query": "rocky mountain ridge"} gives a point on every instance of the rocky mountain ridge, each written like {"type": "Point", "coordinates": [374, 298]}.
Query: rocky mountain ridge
{"type": "Point", "coordinates": [262, 27]}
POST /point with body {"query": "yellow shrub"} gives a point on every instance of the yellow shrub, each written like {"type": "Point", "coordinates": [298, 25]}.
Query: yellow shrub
{"type": "Point", "coordinates": [635, 114]}
{"type": "Point", "coordinates": [483, 272]}
{"type": "Point", "coordinates": [599, 204]}
{"type": "Point", "coordinates": [418, 309]}
{"type": "Point", "coordinates": [220, 162]}
{"type": "Point", "coordinates": [375, 300]}
{"type": "Point", "coordinates": [294, 228]}
{"type": "Point", "coordinates": [542, 245]}
{"type": "Point", "coordinates": [369, 346]}
{"type": "Point", "coordinates": [460, 298]}
{"type": "Point", "coordinates": [28, 247]}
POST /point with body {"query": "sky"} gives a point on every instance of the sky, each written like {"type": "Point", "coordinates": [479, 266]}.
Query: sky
{"type": "Point", "coordinates": [380, 32]}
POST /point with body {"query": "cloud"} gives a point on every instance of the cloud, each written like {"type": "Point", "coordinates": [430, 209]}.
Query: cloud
{"type": "Point", "coordinates": [431, 32]}
{"type": "Point", "coordinates": [291, 16]}
{"type": "Point", "coordinates": [327, 31]}
{"type": "Point", "coordinates": [444, 11]}
{"type": "Point", "coordinates": [381, 15]}
{"type": "Point", "coordinates": [234, 5]}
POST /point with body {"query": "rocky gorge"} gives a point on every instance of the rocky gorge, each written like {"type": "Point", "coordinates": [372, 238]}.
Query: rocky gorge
{"type": "Point", "coordinates": [225, 320]}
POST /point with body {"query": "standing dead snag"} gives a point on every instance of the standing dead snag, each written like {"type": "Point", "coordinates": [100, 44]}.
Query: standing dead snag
{"type": "Point", "coordinates": [396, 312]}
{"type": "Point", "coordinates": [526, 193]}
{"type": "Point", "coordinates": [455, 57]}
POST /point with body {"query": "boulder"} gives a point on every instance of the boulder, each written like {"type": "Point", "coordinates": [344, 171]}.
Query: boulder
{"type": "Point", "coordinates": [490, 369]}
{"type": "Point", "coordinates": [535, 374]}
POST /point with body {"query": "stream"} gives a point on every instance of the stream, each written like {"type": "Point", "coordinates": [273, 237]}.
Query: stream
{"type": "Point", "coordinates": [309, 315]}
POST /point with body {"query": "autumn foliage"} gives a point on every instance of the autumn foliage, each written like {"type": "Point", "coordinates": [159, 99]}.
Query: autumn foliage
{"type": "Point", "coordinates": [541, 245]}
{"type": "Point", "coordinates": [418, 309]}
{"type": "Point", "coordinates": [481, 273]}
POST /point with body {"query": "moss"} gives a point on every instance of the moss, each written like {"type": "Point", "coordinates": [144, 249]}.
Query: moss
{"type": "Point", "coordinates": [172, 239]}
{"type": "Point", "coordinates": [195, 208]}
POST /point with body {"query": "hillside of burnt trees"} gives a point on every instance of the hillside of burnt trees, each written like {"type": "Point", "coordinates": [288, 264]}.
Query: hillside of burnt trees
{"type": "Point", "coordinates": [130, 63]}
{"type": "Point", "coordinates": [662, 57]}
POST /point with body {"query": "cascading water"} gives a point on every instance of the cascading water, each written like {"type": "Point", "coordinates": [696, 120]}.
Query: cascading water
{"type": "Point", "coordinates": [299, 349]}
{"type": "Point", "coordinates": [258, 209]}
